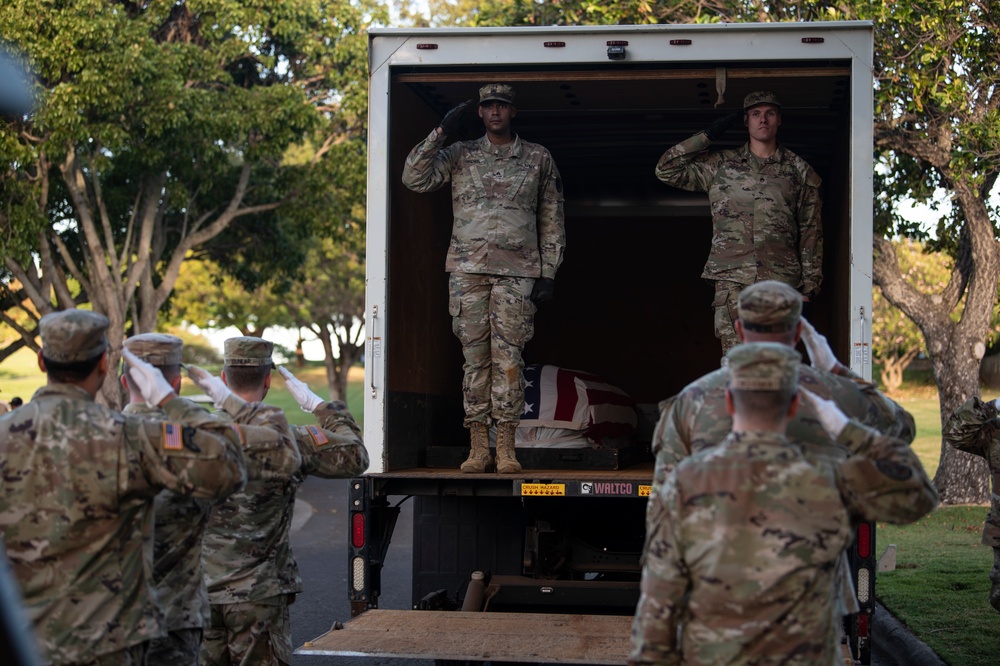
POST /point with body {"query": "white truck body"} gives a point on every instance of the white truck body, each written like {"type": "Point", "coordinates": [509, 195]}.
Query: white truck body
{"type": "Point", "coordinates": [630, 306]}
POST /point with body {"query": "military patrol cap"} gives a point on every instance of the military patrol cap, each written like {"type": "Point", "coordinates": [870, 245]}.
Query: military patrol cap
{"type": "Point", "coordinates": [69, 336]}
{"type": "Point", "coordinates": [769, 307]}
{"type": "Point", "coordinates": [763, 366]}
{"type": "Point", "coordinates": [248, 351]}
{"type": "Point", "coordinates": [760, 97]}
{"type": "Point", "coordinates": [500, 92]}
{"type": "Point", "coordinates": [157, 349]}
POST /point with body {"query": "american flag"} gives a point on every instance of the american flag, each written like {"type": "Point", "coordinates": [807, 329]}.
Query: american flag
{"type": "Point", "coordinates": [172, 439]}
{"type": "Point", "coordinates": [558, 398]}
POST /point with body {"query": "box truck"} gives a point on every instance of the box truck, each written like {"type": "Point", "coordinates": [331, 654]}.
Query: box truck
{"type": "Point", "coordinates": [546, 562]}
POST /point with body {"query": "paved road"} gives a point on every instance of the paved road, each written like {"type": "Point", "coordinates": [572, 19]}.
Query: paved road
{"type": "Point", "coordinates": [319, 540]}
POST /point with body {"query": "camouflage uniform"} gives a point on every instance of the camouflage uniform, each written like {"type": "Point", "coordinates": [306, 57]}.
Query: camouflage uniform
{"type": "Point", "coordinates": [508, 230]}
{"type": "Point", "coordinates": [741, 558]}
{"type": "Point", "coordinates": [180, 521]}
{"type": "Point", "coordinates": [76, 504]}
{"type": "Point", "coordinates": [975, 428]}
{"type": "Point", "coordinates": [765, 216]}
{"type": "Point", "coordinates": [697, 419]}
{"type": "Point", "coordinates": [251, 573]}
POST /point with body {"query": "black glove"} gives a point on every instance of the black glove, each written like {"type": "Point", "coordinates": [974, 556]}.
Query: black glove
{"type": "Point", "coordinates": [451, 119]}
{"type": "Point", "coordinates": [544, 290]}
{"type": "Point", "coordinates": [720, 125]}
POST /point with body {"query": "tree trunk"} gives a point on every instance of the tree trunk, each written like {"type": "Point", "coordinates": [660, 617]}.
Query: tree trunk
{"type": "Point", "coordinates": [300, 355]}
{"type": "Point", "coordinates": [961, 478]}
{"type": "Point", "coordinates": [329, 362]}
{"type": "Point", "coordinates": [893, 367]}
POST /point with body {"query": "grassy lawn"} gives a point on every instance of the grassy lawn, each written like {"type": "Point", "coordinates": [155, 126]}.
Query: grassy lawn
{"type": "Point", "coordinates": [940, 586]}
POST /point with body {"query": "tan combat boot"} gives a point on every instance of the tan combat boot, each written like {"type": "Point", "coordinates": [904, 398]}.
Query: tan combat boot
{"type": "Point", "coordinates": [506, 460]}
{"type": "Point", "coordinates": [479, 456]}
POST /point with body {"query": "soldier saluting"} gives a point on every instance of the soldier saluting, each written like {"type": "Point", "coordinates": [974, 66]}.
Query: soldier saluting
{"type": "Point", "coordinates": [766, 208]}
{"type": "Point", "coordinates": [507, 242]}
{"type": "Point", "coordinates": [76, 502]}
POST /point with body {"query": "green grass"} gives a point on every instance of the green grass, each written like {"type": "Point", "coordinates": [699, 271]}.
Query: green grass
{"type": "Point", "coordinates": [940, 586]}
{"type": "Point", "coordinates": [20, 376]}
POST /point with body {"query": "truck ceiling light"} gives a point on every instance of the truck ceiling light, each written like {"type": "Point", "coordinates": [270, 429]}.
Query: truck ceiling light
{"type": "Point", "coordinates": [812, 40]}
{"type": "Point", "coordinates": [554, 45]}
{"type": "Point", "coordinates": [864, 585]}
{"type": "Point", "coordinates": [358, 574]}
{"type": "Point", "coordinates": [680, 42]}
{"type": "Point", "coordinates": [358, 529]}
{"type": "Point", "coordinates": [864, 540]}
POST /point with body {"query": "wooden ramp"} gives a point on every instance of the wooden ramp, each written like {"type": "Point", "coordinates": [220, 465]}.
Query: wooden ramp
{"type": "Point", "coordinates": [495, 637]}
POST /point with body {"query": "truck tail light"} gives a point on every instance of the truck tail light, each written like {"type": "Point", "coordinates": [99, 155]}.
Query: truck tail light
{"type": "Point", "coordinates": [864, 585]}
{"type": "Point", "coordinates": [864, 540]}
{"type": "Point", "coordinates": [358, 574]}
{"type": "Point", "coordinates": [862, 625]}
{"type": "Point", "coordinates": [358, 530]}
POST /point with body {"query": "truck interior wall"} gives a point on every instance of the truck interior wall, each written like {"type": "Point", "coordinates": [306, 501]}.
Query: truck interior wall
{"type": "Point", "coordinates": [630, 305]}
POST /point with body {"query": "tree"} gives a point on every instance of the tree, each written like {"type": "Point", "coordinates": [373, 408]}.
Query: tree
{"type": "Point", "coordinates": [330, 302]}
{"type": "Point", "coordinates": [896, 341]}
{"type": "Point", "coordinates": [206, 296]}
{"type": "Point", "coordinates": [161, 125]}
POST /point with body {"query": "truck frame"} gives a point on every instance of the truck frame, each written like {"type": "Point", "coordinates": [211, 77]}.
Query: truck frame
{"type": "Point", "coordinates": [553, 552]}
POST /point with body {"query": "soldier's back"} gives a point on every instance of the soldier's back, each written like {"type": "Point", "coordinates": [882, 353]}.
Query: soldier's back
{"type": "Point", "coordinates": [74, 522]}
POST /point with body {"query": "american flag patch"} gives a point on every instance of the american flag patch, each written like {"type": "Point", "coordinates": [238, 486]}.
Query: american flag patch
{"type": "Point", "coordinates": [172, 438]}
{"type": "Point", "coordinates": [319, 437]}
{"type": "Point", "coordinates": [239, 433]}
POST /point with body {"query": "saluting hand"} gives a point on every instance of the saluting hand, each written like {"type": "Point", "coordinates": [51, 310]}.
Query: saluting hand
{"type": "Point", "coordinates": [820, 354]}
{"type": "Point", "coordinates": [303, 395]}
{"type": "Point", "coordinates": [153, 386]}
{"type": "Point", "coordinates": [213, 387]}
{"type": "Point", "coordinates": [451, 119]}
{"type": "Point", "coordinates": [830, 417]}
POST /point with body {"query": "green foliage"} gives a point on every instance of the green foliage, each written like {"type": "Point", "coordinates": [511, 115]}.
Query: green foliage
{"type": "Point", "coordinates": [894, 334]}
{"type": "Point", "coordinates": [941, 568]}
{"type": "Point", "coordinates": [183, 112]}
{"type": "Point", "coordinates": [208, 298]}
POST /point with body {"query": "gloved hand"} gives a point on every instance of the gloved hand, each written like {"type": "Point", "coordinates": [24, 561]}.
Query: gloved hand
{"type": "Point", "coordinates": [303, 395]}
{"type": "Point", "coordinates": [818, 348]}
{"type": "Point", "coordinates": [451, 119]}
{"type": "Point", "coordinates": [544, 290]}
{"type": "Point", "coordinates": [719, 126]}
{"type": "Point", "coordinates": [832, 419]}
{"type": "Point", "coordinates": [151, 383]}
{"type": "Point", "coordinates": [213, 386]}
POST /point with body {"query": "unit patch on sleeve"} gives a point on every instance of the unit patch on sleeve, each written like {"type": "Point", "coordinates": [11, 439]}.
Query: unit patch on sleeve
{"type": "Point", "coordinates": [319, 437]}
{"type": "Point", "coordinates": [172, 437]}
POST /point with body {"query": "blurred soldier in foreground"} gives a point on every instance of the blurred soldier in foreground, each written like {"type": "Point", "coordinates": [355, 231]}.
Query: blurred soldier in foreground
{"type": "Point", "coordinates": [251, 573]}
{"type": "Point", "coordinates": [76, 503]}
{"type": "Point", "coordinates": [975, 428]}
{"type": "Point", "coordinates": [741, 560]}
{"type": "Point", "coordinates": [507, 243]}
{"type": "Point", "coordinates": [180, 521]}
{"type": "Point", "coordinates": [766, 208]}
{"type": "Point", "coordinates": [771, 311]}
{"type": "Point", "coordinates": [697, 418]}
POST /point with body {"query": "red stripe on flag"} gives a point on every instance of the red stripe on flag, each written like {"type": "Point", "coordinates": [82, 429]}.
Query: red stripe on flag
{"type": "Point", "coordinates": [566, 396]}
